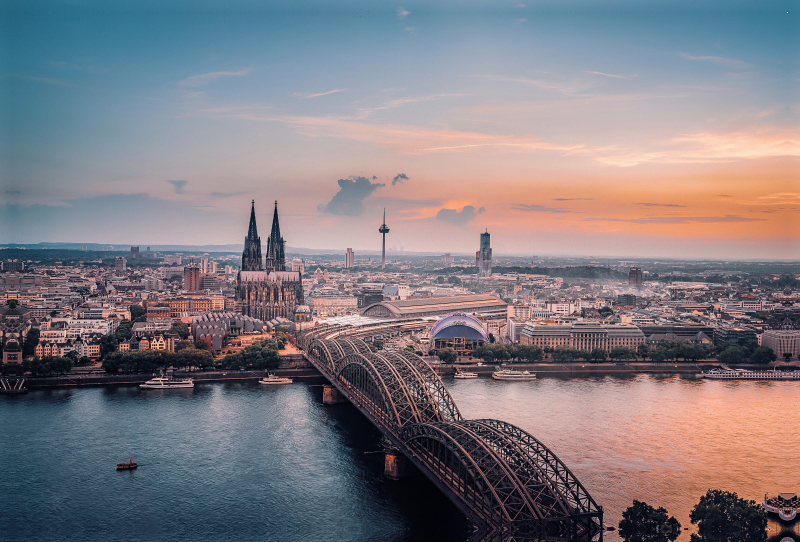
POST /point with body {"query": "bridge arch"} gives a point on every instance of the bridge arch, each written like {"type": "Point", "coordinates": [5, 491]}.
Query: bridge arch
{"type": "Point", "coordinates": [491, 468]}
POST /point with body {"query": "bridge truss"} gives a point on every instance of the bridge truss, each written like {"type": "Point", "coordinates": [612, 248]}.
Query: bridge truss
{"type": "Point", "coordinates": [500, 476]}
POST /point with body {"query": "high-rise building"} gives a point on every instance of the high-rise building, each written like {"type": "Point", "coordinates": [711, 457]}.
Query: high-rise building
{"type": "Point", "coordinates": [299, 265]}
{"type": "Point", "coordinates": [134, 253]}
{"type": "Point", "coordinates": [383, 230]}
{"type": "Point", "coordinates": [251, 256]}
{"type": "Point", "coordinates": [484, 256]}
{"type": "Point", "coordinates": [120, 264]}
{"type": "Point", "coordinates": [635, 277]}
{"type": "Point", "coordinates": [447, 259]}
{"type": "Point", "coordinates": [349, 258]}
{"type": "Point", "coordinates": [204, 265]}
{"type": "Point", "coordinates": [211, 268]}
{"type": "Point", "coordinates": [192, 278]}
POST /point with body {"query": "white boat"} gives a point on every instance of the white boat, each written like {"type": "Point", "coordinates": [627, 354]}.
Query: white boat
{"type": "Point", "coordinates": [464, 374]}
{"type": "Point", "coordinates": [743, 374]}
{"type": "Point", "coordinates": [509, 374]}
{"type": "Point", "coordinates": [272, 379]}
{"type": "Point", "coordinates": [167, 382]}
{"type": "Point", "coordinates": [785, 505]}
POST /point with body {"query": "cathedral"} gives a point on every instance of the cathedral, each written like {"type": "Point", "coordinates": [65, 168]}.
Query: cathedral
{"type": "Point", "coordinates": [265, 289]}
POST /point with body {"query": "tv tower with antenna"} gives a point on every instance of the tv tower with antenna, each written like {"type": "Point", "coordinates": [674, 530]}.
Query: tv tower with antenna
{"type": "Point", "coordinates": [384, 230]}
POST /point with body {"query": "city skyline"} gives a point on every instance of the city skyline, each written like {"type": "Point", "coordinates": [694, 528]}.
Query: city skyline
{"type": "Point", "coordinates": [667, 131]}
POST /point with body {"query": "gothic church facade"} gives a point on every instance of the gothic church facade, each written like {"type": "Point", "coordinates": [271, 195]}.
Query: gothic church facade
{"type": "Point", "coordinates": [266, 290]}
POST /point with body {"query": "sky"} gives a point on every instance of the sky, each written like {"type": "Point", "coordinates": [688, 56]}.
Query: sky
{"type": "Point", "coordinates": [631, 129]}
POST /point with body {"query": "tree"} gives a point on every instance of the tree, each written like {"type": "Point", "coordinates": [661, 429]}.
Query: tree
{"type": "Point", "coordinates": [31, 340]}
{"type": "Point", "coordinates": [606, 311]}
{"type": "Point", "coordinates": [733, 354]}
{"type": "Point", "coordinates": [598, 355]}
{"type": "Point", "coordinates": [763, 355]}
{"type": "Point", "coordinates": [138, 313]}
{"type": "Point", "coordinates": [643, 350]}
{"type": "Point", "coordinates": [180, 328]}
{"type": "Point", "coordinates": [447, 355]}
{"type": "Point", "coordinates": [108, 344]}
{"type": "Point", "coordinates": [721, 516]}
{"type": "Point", "coordinates": [563, 354]}
{"type": "Point", "coordinates": [454, 280]}
{"type": "Point", "coordinates": [532, 354]}
{"type": "Point", "coordinates": [643, 523]}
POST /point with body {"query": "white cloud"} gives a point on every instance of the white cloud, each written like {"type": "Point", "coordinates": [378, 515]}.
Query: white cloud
{"type": "Point", "coordinates": [728, 62]}
{"type": "Point", "coordinates": [402, 14]}
{"type": "Point", "coordinates": [202, 79]}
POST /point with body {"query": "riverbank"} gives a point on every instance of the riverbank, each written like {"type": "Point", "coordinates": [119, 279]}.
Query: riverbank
{"type": "Point", "coordinates": [581, 369]}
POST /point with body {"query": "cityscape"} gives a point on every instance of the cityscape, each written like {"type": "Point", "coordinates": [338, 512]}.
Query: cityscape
{"type": "Point", "coordinates": [558, 324]}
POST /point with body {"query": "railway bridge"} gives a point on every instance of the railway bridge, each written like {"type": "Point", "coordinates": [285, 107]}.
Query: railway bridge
{"type": "Point", "coordinates": [510, 485]}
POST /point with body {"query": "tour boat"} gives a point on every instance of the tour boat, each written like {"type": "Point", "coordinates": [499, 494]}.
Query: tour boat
{"type": "Point", "coordinates": [464, 374]}
{"type": "Point", "coordinates": [742, 374]}
{"type": "Point", "coordinates": [509, 374]}
{"type": "Point", "coordinates": [167, 382]}
{"type": "Point", "coordinates": [127, 466]}
{"type": "Point", "coordinates": [272, 379]}
{"type": "Point", "coordinates": [785, 505]}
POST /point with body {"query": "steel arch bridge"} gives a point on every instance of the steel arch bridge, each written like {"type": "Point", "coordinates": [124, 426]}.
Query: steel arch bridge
{"type": "Point", "coordinates": [504, 479]}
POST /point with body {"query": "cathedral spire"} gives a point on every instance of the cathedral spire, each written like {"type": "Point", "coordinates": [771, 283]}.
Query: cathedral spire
{"type": "Point", "coordinates": [276, 258]}
{"type": "Point", "coordinates": [251, 256]}
{"type": "Point", "coordinates": [252, 231]}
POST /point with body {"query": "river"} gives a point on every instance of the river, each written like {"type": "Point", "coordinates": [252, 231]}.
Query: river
{"type": "Point", "coordinates": [235, 461]}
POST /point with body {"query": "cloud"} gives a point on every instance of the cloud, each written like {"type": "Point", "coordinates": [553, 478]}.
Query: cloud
{"type": "Point", "coordinates": [409, 29]}
{"type": "Point", "coordinates": [459, 218]}
{"type": "Point", "coordinates": [660, 205]}
{"type": "Point", "coordinates": [349, 200]}
{"type": "Point", "coordinates": [202, 79]}
{"type": "Point", "coordinates": [679, 219]}
{"type": "Point", "coordinates": [402, 14]}
{"type": "Point", "coordinates": [399, 178]}
{"type": "Point", "coordinates": [724, 196]}
{"type": "Point", "coordinates": [46, 80]}
{"type": "Point", "coordinates": [707, 147]}
{"type": "Point", "coordinates": [12, 192]}
{"type": "Point", "coordinates": [402, 139]}
{"type": "Point", "coordinates": [573, 199]}
{"type": "Point", "coordinates": [319, 94]}
{"type": "Point", "coordinates": [614, 76]}
{"type": "Point", "coordinates": [400, 102]}
{"type": "Point", "coordinates": [539, 208]}
{"type": "Point", "coordinates": [178, 185]}
{"type": "Point", "coordinates": [727, 62]}
{"type": "Point", "coordinates": [225, 194]}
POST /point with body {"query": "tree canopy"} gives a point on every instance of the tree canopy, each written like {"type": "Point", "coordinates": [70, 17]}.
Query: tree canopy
{"type": "Point", "coordinates": [643, 523]}
{"type": "Point", "coordinates": [722, 516]}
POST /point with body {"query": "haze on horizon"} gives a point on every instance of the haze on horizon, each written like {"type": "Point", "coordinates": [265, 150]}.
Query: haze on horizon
{"type": "Point", "coordinates": [659, 130]}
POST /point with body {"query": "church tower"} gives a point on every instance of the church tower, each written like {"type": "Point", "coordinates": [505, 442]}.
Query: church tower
{"type": "Point", "coordinates": [251, 257]}
{"type": "Point", "coordinates": [276, 258]}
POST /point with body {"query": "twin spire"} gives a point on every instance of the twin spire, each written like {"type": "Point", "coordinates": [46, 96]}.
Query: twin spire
{"type": "Point", "coordinates": [251, 256]}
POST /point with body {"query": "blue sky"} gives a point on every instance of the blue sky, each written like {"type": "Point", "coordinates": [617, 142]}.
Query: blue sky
{"type": "Point", "coordinates": [600, 128]}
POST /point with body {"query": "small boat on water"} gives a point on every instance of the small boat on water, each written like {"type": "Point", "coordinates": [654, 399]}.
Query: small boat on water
{"type": "Point", "coordinates": [167, 382]}
{"type": "Point", "coordinates": [510, 374]}
{"type": "Point", "coordinates": [272, 379]}
{"type": "Point", "coordinates": [464, 374]}
{"type": "Point", "coordinates": [742, 374]}
{"type": "Point", "coordinates": [127, 466]}
{"type": "Point", "coordinates": [785, 505]}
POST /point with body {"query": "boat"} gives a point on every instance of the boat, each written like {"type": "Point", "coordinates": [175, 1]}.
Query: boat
{"type": "Point", "coordinates": [127, 466]}
{"type": "Point", "coordinates": [510, 374]}
{"type": "Point", "coordinates": [272, 379]}
{"type": "Point", "coordinates": [464, 374]}
{"type": "Point", "coordinates": [743, 374]}
{"type": "Point", "coordinates": [167, 382]}
{"type": "Point", "coordinates": [785, 505]}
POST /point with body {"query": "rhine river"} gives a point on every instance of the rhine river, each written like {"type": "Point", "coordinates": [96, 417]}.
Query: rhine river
{"type": "Point", "coordinates": [242, 462]}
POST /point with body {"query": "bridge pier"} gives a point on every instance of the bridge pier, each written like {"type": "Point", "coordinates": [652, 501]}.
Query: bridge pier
{"type": "Point", "coordinates": [331, 396]}
{"type": "Point", "coordinates": [394, 466]}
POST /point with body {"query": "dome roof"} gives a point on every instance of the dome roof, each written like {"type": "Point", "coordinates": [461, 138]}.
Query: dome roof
{"type": "Point", "coordinates": [459, 325]}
